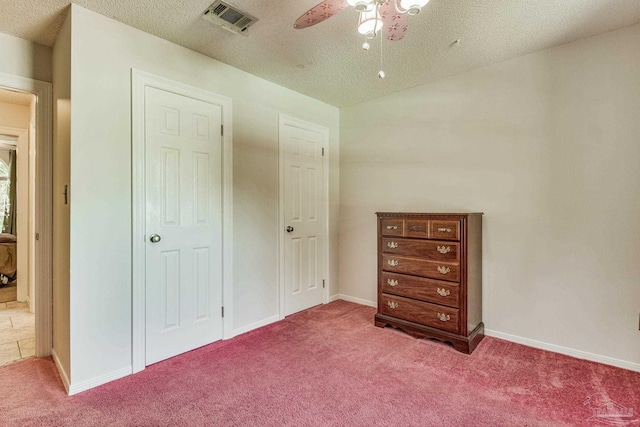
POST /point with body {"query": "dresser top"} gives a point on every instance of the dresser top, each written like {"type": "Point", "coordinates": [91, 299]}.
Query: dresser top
{"type": "Point", "coordinates": [420, 214]}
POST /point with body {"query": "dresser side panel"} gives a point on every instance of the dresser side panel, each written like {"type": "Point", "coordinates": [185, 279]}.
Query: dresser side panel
{"type": "Point", "coordinates": [474, 271]}
{"type": "Point", "coordinates": [379, 243]}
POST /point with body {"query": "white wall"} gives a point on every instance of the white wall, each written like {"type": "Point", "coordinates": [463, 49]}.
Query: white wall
{"type": "Point", "coordinates": [547, 147]}
{"type": "Point", "coordinates": [22, 211]}
{"type": "Point", "coordinates": [103, 53]}
{"type": "Point", "coordinates": [31, 194]}
{"type": "Point", "coordinates": [23, 58]}
{"type": "Point", "coordinates": [61, 220]}
{"type": "Point", "coordinates": [14, 115]}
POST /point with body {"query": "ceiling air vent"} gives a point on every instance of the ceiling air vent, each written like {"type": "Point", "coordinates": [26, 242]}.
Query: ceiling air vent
{"type": "Point", "coordinates": [229, 17]}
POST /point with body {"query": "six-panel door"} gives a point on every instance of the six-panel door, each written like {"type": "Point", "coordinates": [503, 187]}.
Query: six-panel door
{"type": "Point", "coordinates": [184, 219]}
{"type": "Point", "coordinates": [304, 215]}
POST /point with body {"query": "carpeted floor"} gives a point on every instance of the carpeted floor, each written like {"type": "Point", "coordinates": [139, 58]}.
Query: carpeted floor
{"type": "Point", "coordinates": [329, 366]}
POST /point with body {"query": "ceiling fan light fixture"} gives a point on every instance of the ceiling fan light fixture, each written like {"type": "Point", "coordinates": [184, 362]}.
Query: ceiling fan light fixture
{"type": "Point", "coordinates": [396, 14]}
{"type": "Point", "coordinates": [361, 5]}
{"type": "Point", "coordinates": [411, 7]}
{"type": "Point", "coordinates": [370, 23]}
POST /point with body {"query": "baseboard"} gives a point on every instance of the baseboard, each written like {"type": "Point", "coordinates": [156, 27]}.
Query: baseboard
{"type": "Point", "coordinates": [98, 381]}
{"type": "Point", "coordinates": [355, 300]}
{"type": "Point", "coordinates": [579, 354]}
{"type": "Point", "coordinates": [333, 298]}
{"type": "Point", "coordinates": [255, 325]}
{"type": "Point", "coordinates": [63, 374]}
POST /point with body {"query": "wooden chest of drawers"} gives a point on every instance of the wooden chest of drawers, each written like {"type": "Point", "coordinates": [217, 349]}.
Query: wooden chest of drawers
{"type": "Point", "coordinates": [430, 276]}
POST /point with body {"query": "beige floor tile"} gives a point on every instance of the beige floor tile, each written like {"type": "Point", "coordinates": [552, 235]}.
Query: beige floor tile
{"type": "Point", "coordinates": [19, 309]}
{"type": "Point", "coordinates": [17, 304]}
{"type": "Point", "coordinates": [9, 353]}
{"type": "Point", "coordinates": [5, 322]}
{"type": "Point", "coordinates": [15, 310]}
{"type": "Point", "coordinates": [21, 320]}
{"type": "Point", "coordinates": [27, 347]}
{"type": "Point", "coordinates": [17, 333]}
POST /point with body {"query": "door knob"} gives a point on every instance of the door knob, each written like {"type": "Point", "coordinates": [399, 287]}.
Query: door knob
{"type": "Point", "coordinates": [289, 229]}
{"type": "Point", "coordinates": [155, 238]}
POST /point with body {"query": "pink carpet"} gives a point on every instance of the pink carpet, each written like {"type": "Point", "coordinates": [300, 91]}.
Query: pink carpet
{"type": "Point", "coordinates": [329, 366]}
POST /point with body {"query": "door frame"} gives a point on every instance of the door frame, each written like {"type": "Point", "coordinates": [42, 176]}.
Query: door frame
{"type": "Point", "coordinates": [139, 81]}
{"type": "Point", "coordinates": [286, 120]}
{"type": "Point", "coordinates": [43, 236]}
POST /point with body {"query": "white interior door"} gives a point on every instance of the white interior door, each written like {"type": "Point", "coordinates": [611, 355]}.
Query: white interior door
{"type": "Point", "coordinates": [304, 217]}
{"type": "Point", "coordinates": [183, 175]}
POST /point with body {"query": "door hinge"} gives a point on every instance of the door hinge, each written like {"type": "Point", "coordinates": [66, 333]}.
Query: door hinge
{"type": "Point", "coordinates": [37, 236]}
{"type": "Point", "coordinates": [221, 130]}
{"type": "Point", "coordinates": [222, 311]}
{"type": "Point", "coordinates": [323, 151]}
{"type": "Point", "coordinates": [323, 283]}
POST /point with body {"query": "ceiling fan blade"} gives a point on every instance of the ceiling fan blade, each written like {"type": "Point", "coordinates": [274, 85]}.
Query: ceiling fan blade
{"type": "Point", "coordinates": [319, 13]}
{"type": "Point", "coordinates": [395, 24]}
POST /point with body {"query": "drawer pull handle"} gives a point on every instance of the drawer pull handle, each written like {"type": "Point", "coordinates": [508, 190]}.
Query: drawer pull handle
{"type": "Point", "coordinates": [443, 270]}
{"type": "Point", "coordinates": [444, 317]}
{"type": "Point", "coordinates": [392, 227]}
{"type": "Point", "coordinates": [394, 263]}
{"type": "Point", "coordinates": [444, 230]}
{"type": "Point", "coordinates": [443, 292]}
{"type": "Point", "coordinates": [444, 249]}
{"type": "Point", "coordinates": [392, 245]}
{"type": "Point", "coordinates": [393, 305]}
{"type": "Point", "coordinates": [392, 282]}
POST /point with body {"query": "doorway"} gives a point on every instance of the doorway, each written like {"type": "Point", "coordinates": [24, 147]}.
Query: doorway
{"type": "Point", "coordinates": [40, 220]}
{"type": "Point", "coordinates": [304, 215]}
{"type": "Point", "coordinates": [17, 235]}
{"type": "Point", "coordinates": [182, 218]}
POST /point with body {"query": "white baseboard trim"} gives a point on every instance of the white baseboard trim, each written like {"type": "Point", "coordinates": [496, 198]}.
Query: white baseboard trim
{"type": "Point", "coordinates": [255, 325]}
{"type": "Point", "coordinates": [355, 300]}
{"type": "Point", "coordinates": [579, 354]}
{"type": "Point", "coordinates": [333, 298]}
{"type": "Point", "coordinates": [63, 374]}
{"type": "Point", "coordinates": [98, 381]}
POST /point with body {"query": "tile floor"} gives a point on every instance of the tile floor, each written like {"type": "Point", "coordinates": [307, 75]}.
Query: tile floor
{"type": "Point", "coordinates": [17, 332]}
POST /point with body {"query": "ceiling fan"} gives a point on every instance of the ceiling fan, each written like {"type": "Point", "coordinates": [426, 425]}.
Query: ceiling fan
{"type": "Point", "coordinates": [390, 17]}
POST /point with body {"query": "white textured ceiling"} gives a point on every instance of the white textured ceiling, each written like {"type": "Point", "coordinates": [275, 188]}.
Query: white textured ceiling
{"type": "Point", "coordinates": [326, 61]}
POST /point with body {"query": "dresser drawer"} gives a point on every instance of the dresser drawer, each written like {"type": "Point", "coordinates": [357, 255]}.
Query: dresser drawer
{"type": "Point", "coordinates": [419, 267]}
{"type": "Point", "coordinates": [417, 228]}
{"type": "Point", "coordinates": [436, 291]}
{"type": "Point", "coordinates": [436, 316]}
{"type": "Point", "coordinates": [431, 249]}
{"type": "Point", "coordinates": [392, 227]}
{"type": "Point", "coordinates": [444, 229]}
